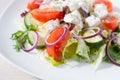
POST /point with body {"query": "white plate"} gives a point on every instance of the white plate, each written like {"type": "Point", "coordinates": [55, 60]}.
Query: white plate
{"type": "Point", "coordinates": [38, 66]}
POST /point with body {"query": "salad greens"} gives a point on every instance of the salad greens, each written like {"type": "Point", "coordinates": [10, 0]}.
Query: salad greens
{"type": "Point", "coordinates": [16, 36]}
{"type": "Point", "coordinates": [52, 61]}
{"type": "Point", "coordinates": [114, 51]}
{"type": "Point", "coordinates": [83, 50]}
{"type": "Point", "coordinates": [70, 49]}
{"type": "Point", "coordinates": [100, 56]}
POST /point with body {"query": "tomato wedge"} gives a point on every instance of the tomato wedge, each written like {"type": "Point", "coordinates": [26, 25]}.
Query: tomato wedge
{"type": "Point", "coordinates": [55, 51]}
{"type": "Point", "coordinates": [32, 4]}
{"type": "Point", "coordinates": [46, 14]}
{"type": "Point", "coordinates": [110, 22]}
{"type": "Point", "coordinates": [106, 2]}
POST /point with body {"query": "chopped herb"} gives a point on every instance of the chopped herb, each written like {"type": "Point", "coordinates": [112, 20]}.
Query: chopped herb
{"type": "Point", "coordinates": [41, 47]}
{"type": "Point", "coordinates": [32, 27]}
{"type": "Point", "coordinates": [16, 37]}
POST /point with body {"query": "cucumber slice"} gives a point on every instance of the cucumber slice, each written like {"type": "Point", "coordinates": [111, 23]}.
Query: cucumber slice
{"type": "Point", "coordinates": [95, 41]}
{"type": "Point", "coordinates": [29, 21]}
{"type": "Point", "coordinates": [32, 39]}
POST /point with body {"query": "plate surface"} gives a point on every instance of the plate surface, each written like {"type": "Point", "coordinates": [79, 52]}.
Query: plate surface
{"type": "Point", "coordinates": [36, 65]}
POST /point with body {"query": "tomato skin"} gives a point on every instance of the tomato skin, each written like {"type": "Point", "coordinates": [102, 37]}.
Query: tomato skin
{"type": "Point", "coordinates": [56, 50]}
{"type": "Point", "coordinates": [32, 5]}
{"type": "Point", "coordinates": [46, 14]}
{"type": "Point", "coordinates": [110, 22]}
{"type": "Point", "coordinates": [106, 2]}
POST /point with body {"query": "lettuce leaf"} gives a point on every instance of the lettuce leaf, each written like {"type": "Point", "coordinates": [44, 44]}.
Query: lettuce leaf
{"type": "Point", "coordinates": [76, 48]}
{"type": "Point", "coordinates": [83, 50]}
{"type": "Point", "coordinates": [52, 61]}
{"type": "Point", "coordinates": [114, 51]}
{"type": "Point", "coordinates": [70, 49]}
{"type": "Point", "coordinates": [99, 59]}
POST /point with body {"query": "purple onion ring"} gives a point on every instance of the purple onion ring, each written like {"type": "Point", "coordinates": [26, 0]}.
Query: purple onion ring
{"type": "Point", "coordinates": [99, 30]}
{"type": "Point", "coordinates": [34, 45]}
{"type": "Point", "coordinates": [104, 36]}
{"type": "Point", "coordinates": [71, 26]}
{"type": "Point", "coordinates": [61, 37]}
{"type": "Point", "coordinates": [23, 14]}
{"type": "Point", "coordinates": [83, 11]}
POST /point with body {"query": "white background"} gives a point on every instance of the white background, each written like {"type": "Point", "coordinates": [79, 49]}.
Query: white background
{"type": "Point", "coordinates": [7, 71]}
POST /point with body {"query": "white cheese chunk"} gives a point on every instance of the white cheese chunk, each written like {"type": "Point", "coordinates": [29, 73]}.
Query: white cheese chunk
{"type": "Point", "coordinates": [74, 17]}
{"type": "Point", "coordinates": [79, 26]}
{"type": "Point", "coordinates": [73, 4]}
{"type": "Point", "coordinates": [92, 21]}
{"type": "Point", "coordinates": [58, 5]}
{"type": "Point", "coordinates": [85, 5]}
{"type": "Point", "coordinates": [100, 10]}
{"type": "Point", "coordinates": [52, 24]}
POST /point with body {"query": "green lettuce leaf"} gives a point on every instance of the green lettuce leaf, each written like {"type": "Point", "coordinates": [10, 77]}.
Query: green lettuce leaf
{"type": "Point", "coordinates": [70, 49]}
{"type": "Point", "coordinates": [52, 61]}
{"type": "Point", "coordinates": [83, 50]}
{"type": "Point", "coordinates": [99, 59]}
{"type": "Point", "coordinates": [114, 51]}
{"type": "Point", "coordinates": [76, 48]}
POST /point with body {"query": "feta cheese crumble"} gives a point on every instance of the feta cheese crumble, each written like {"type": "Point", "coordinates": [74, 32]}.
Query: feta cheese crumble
{"type": "Point", "coordinates": [92, 21]}
{"type": "Point", "coordinates": [52, 24]}
{"type": "Point", "coordinates": [75, 18]}
{"type": "Point", "coordinates": [100, 10]}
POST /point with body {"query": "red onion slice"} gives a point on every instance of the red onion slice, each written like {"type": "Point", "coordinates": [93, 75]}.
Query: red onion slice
{"type": "Point", "coordinates": [23, 14]}
{"type": "Point", "coordinates": [66, 10]}
{"type": "Point", "coordinates": [108, 54]}
{"type": "Point", "coordinates": [83, 11]}
{"type": "Point", "coordinates": [52, 44]}
{"type": "Point", "coordinates": [99, 30]}
{"type": "Point", "coordinates": [71, 26]}
{"type": "Point", "coordinates": [33, 46]}
{"type": "Point", "coordinates": [113, 34]}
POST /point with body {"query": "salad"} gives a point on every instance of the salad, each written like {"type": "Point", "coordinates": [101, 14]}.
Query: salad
{"type": "Point", "coordinates": [81, 30]}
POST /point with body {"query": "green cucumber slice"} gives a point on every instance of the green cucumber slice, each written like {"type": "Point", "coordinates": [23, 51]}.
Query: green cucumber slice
{"type": "Point", "coordinates": [27, 20]}
{"type": "Point", "coordinates": [30, 22]}
{"type": "Point", "coordinates": [32, 39]}
{"type": "Point", "coordinates": [97, 40]}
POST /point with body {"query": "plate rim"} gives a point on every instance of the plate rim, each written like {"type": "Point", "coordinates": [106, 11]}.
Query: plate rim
{"type": "Point", "coordinates": [8, 60]}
